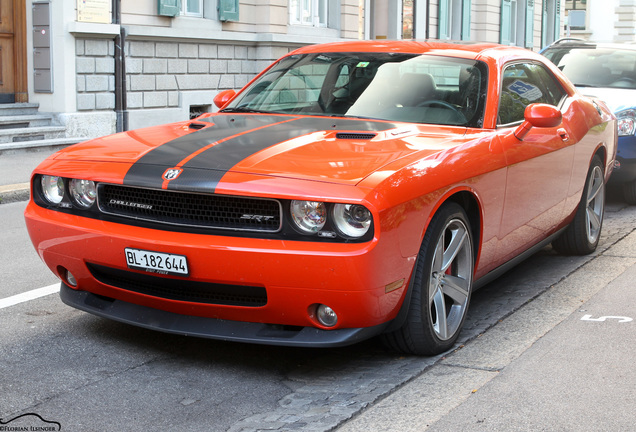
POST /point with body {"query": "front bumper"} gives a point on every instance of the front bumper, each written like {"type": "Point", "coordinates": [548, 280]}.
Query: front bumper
{"type": "Point", "coordinates": [211, 328]}
{"type": "Point", "coordinates": [625, 167]}
{"type": "Point", "coordinates": [364, 283]}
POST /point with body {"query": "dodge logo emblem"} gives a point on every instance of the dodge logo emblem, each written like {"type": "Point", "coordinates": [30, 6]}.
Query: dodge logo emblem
{"type": "Point", "coordinates": [172, 173]}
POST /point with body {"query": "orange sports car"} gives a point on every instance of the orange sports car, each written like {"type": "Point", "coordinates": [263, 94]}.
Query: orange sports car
{"type": "Point", "coordinates": [350, 190]}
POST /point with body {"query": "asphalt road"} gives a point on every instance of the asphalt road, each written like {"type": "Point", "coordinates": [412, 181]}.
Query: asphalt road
{"type": "Point", "coordinates": [91, 374]}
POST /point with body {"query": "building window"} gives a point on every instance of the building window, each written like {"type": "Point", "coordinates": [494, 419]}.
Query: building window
{"type": "Point", "coordinates": [408, 29]}
{"type": "Point", "coordinates": [308, 12]}
{"type": "Point", "coordinates": [192, 8]}
{"type": "Point", "coordinates": [454, 20]}
{"type": "Point", "coordinates": [517, 23]}
{"type": "Point", "coordinates": [575, 10]}
{"type": "Point", "coordinates": [551, 26]}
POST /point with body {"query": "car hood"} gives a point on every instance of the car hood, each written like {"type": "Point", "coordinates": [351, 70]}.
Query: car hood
{"type": "Point", "coordinates": [617, 99]}
{"type": "Point", "coordinates": [200, 153]}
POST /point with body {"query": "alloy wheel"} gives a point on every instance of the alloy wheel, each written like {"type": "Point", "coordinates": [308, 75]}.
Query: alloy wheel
{"type": "Point", "coordinates": [595, 204]}
{"type": "Point", "coordinates": [450, 279]}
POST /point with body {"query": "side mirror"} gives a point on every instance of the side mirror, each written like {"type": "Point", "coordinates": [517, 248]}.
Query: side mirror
{"type": "Point", "coordinates": [538, 115]}
{"type": "Point", "coordinates": [221, 99]}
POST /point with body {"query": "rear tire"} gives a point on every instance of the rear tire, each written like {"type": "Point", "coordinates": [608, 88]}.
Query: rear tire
{"type": "Point", "coordinates": [442, 286]}
{"type": "Point", "coordinates": [629, 192]}
{"type": "Point", "coordinates": [582, 235]}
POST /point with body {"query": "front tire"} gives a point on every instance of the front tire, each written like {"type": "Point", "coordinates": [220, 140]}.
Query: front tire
{"type": "Point", "coordinates": [582, 235]}
{"type": "Point", "coordinates": [442, 286]}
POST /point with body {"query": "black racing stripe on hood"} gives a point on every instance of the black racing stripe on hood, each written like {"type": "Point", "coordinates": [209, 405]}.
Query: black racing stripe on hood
{"type": "Point", "coordinates": [203, 172]}
{"type": "Point", "coordinates": [149, 169]}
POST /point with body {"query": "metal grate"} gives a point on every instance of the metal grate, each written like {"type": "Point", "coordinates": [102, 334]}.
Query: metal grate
{"type": "Point", "coordinates": [355, 136]}
{"type": "Point", "coordinates": [191, 209]}
{"type": "Point", "coordinates": [180, 289]}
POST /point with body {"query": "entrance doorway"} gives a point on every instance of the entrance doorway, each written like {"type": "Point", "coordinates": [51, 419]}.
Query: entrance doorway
{"type": "Point", "coordinates": [13, 78]}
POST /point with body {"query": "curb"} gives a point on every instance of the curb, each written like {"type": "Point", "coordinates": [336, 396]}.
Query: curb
{"type": "Point", "coordinates": [14, 193]}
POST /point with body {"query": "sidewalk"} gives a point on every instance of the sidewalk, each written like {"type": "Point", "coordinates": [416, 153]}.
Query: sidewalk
{"type": "Point", "coordinates": [15, 168]}
{"type": "Point", "coordinates": [563, 362]}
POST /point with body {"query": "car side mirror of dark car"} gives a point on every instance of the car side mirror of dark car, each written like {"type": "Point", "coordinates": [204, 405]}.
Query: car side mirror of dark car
{"type": "Point", "coordinates": [221, 99]}
{"type": "Point", "coordinates": [538, 115]}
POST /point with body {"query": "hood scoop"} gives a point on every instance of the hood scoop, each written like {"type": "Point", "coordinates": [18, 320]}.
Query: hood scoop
{"type": "Point", "coordinates": [197, 126]}
{"type": "Point", "coordinates": [355, 136]}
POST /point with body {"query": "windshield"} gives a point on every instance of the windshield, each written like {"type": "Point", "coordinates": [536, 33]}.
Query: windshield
{"type": "Point", "coordinates": [386, 86]}
{"type": "Point", "coordinates": [596, 67]}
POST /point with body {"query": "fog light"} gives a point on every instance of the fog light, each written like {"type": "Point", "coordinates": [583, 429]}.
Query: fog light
{"type": "Point", "coordinates": [70, 279]}
{"type": "Point", "coordinates": [326, 316]}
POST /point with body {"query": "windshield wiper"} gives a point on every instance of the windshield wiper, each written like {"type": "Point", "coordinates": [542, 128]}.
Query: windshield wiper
{"type": "Point", "coordinates": [244, 110]}
{"type": "Point", "coordinates": [357, 117]}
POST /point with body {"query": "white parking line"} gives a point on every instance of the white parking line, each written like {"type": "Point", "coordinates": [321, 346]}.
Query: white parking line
{"type": "Point", "coordinates": [29, 295]}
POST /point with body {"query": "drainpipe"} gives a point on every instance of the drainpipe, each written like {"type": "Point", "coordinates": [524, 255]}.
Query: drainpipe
{"type": "Point", "coordinates": [428, 21]}
{"type": "Point", "coordinates": [121, 109]}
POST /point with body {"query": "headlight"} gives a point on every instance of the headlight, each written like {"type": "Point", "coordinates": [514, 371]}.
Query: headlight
{"type": "Point", "coordinates": [309, 216]}
{"type": "Point", "coordinates": [83, 192]}
{"type": "Point", "coordinates": [53, 188]}
{"type": "Point", "coordinates": [626, 126]}
{"type": "Point", "coordinates": [352, 220]}
{"type": "Point", "coordinates": [626, 121]}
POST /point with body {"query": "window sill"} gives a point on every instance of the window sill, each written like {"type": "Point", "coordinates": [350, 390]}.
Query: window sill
{"type": "Point", "coordinates": [318, 32]}
{"type": "Point", "coordinates": [93, 29]}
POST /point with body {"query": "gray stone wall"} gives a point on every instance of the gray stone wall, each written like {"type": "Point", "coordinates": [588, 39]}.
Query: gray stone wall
{"type": "Point", "coordinates": [165, 77]}
{"type": "Point", "coordinates": [95, 68]}
{"type": "Point", "coordinates": [157, 72]}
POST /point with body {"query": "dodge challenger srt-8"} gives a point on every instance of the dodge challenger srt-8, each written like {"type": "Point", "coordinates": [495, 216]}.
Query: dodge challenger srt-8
{"type": "Point", "coordinates": [350, 190]}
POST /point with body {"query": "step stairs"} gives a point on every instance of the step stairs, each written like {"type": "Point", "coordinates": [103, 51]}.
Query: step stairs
{"type": "Point", "coordinates": [23, 128]}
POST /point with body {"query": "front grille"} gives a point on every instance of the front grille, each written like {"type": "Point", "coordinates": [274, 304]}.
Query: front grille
{"type": "Point", "coordinates": [180, 289]}
{"type": "Point", "coordinates": [190, 209]}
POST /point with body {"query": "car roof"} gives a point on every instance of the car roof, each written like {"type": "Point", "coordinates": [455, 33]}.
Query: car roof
{"type": "Point", "coordinates": [580, 43]}
{"type": "Point", "coordinates": [455, 48]}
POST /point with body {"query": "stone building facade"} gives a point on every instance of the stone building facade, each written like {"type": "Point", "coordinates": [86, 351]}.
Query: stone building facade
{"type": "Point", "coordinates": [174, 63]}
{"type": "Point", "coordinates": [601, 20]}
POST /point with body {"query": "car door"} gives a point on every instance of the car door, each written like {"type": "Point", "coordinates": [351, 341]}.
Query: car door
{"type": "Point", "coordinates": [539, 165]}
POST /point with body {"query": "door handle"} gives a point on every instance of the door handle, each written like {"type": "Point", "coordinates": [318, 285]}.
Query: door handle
{"type": "Point", "coordinates": [563, 134]}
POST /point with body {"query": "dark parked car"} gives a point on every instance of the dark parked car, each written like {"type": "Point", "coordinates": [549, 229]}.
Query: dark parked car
{"type": "Point", "coordinates": [606, 71]}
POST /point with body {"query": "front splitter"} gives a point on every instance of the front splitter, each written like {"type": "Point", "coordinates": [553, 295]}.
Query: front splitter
{"type": "Point", "coordinates": [212, 328]}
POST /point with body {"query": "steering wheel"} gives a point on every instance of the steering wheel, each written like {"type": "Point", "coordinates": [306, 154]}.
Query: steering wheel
{"type": "Point", "coordinates": [455, 112]}
{"type": "Point", "coordinates": [440, 103]}
{"type": "Point", "coordinates": [623, 80]}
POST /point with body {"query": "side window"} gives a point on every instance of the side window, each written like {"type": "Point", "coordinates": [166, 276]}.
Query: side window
{"type": "Point", "coordinates": [524, 84]}
{"type": "Point", "coordinates": [554, 93]}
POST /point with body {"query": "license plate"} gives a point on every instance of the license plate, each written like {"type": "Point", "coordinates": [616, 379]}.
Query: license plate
{"type": "Point", "coordinates": [156, 262]}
